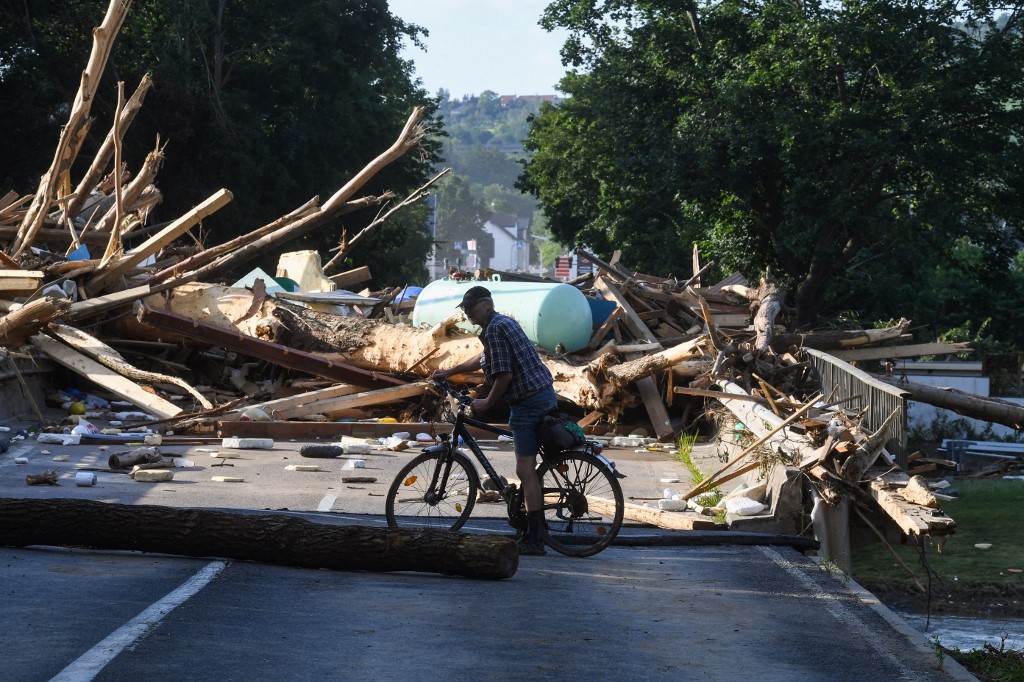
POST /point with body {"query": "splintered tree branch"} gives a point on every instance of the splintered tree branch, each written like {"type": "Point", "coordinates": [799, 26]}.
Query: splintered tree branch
{"type": "Point", "coordinates": [410, 138]}
{"type": "Point", "coordinates": [99, 162]}
{"type": "Point", "coordinates": [77, 125]}
{"type": "Point", "coordinates": [347, 247]}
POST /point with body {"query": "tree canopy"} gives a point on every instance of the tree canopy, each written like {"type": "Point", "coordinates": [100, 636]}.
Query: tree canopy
{"type": "Point", "coordinates": [275, 100]}
{"type": "Point", "coordinates": [849, 146]}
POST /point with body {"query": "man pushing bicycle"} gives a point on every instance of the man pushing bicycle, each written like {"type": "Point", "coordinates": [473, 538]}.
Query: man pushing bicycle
{"type": "Point", "coordinates": [517, 375]}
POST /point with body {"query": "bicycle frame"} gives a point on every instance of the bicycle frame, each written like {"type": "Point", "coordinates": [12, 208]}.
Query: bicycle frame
{"type": "Point", "coordinates": [460, 429]}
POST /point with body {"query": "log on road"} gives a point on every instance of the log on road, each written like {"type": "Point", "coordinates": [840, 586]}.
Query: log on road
{"type": "Point", "coordinates": [269, 538]}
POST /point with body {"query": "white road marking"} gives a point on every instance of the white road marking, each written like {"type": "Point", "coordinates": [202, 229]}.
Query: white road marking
{"type": "Point", "coordinates": [89, 664]}
{"type": "Point", "coordinates": [327, 504]}
{"type": "Point", "coordinates": [840, 612]}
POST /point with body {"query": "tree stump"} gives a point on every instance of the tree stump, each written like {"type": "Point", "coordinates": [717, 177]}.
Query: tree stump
{"type": "Point", "coordinates": [269, 538]}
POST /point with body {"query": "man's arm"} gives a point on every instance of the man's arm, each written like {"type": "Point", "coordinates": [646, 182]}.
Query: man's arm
{"type": "Point", "coordinates": [502, 381]}
{"type": "Point", "coordinates": [470, 365]}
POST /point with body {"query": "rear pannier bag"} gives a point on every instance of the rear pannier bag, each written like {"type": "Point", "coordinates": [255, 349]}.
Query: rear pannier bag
{"type": "Point", "coordinates": [560, 432]}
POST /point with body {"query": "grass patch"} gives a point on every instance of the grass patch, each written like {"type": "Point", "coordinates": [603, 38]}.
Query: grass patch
{"type": "Point", "coordinates": [987, 511]}
{"type": "Point", "coordinates": [991, 664]}
{"type": "Point", "coordinates": [684, 454]}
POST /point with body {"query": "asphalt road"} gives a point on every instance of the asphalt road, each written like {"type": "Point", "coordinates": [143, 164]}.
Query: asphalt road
{"type": "Point", "coordinates": [707, 613]}
{"type": "Point", "coordinates": [719, 612]}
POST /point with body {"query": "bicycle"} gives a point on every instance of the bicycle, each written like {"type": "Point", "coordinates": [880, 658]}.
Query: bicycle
{"type": "Point", "coordinates": [583, 503]}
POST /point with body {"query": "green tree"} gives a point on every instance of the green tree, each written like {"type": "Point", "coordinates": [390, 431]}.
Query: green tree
{"type": "Point", "coordinates": [813, 137]}
{"type": "Point", "coordinates": [275, 100]}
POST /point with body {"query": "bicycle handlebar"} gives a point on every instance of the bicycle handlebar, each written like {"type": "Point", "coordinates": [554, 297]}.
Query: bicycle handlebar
{"type": "Point", "coordinates": [444, 386]}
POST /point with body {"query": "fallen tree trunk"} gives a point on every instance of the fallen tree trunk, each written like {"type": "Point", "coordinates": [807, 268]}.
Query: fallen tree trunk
{"type": "Point", "coordinates": [18, 325]}
{"type": "Point", "coordinates": [270, 538]}
{"type": "Point", "coordinates": [967, 404]}
{"type": "Point", "coordinates": [834, 340]}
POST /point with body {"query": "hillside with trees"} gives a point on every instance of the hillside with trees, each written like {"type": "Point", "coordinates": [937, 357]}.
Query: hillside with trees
{"type": "Point", "coordinates": [483, 144]}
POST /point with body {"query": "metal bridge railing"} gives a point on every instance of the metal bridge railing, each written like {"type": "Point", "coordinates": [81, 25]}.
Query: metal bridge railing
{"type": "Point", "coordinates": [842, 380]}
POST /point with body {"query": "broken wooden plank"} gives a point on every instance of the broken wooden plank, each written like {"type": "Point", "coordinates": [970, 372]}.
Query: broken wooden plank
{"type": "Point", "coordinates": [101, 304]}
{"type": "Point", "coordinates": [654, 517]}
{"type": "Point", "coordinates": [24, 281]}
{"type": "Point", "coordinates": [384, 395]}
{"type": "Point", "coordinates": [349, 278]}
{"type": "Point", "coordinates": [106, 377]}
{"type": "Point", "coordinates": [913, 519]}
{"type": "Point", "coordinates": [289, 402]}
{"type": "Point", "coordinates": [599, 336]}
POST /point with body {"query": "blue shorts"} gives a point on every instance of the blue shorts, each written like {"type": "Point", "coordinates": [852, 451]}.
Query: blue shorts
{"type": "Point", "coordinates": [525, 417]}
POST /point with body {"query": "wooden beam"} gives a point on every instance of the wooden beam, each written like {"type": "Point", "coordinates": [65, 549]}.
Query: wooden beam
{"type": "Point", "coordinates": [384, 395]}
{"type": "Point", "coordinates": [344, 280]}
{"type": "Point", "coordinates": [913, 519]}
{"type": "Point", "coordinates": [653, 517]}
{"type": "Point", "coordinates": [13, 281]}
{"type": "Point", "coordinates": [101, 304]}
{"type": "Point", "coordinates": [159, 240]}
{"type": "Point", "coordinates": [106, 377]}
{"type": "Point", "coordinates": [598, 338]}
{"type": "Point", "coordinates": [292, 401]}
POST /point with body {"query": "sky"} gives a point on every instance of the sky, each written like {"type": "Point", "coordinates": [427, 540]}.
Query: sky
{"type": "Point", "coordinates": [477, 45]}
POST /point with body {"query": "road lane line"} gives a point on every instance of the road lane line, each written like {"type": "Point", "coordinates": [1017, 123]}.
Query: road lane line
{"type": "Point", "coordinates": [841, 613]}
{"type": "Point", "coordinates": [327, 504]}
{"type": "Point", "coordinates": [89, 664]}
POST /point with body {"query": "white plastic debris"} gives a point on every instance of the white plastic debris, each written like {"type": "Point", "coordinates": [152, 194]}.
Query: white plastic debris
{"type": "Point", "coordinates": [427, 438]}
{"type": "Point", "coordinates": [254, 414]}
{"type": "Point", "coordinates": [672, 505]}
{"type": "Point", "coordinates": [743, 506]}
{"type": "Point", "coordinates": [133, 416]}
{"type": "Point", "coordinates": [355, 464]}
{"type": "Point", "coordinates": [248, 443]}
{"type": "Point", "coordinates": [59, 438]}
{"type": "Point", "coordinates": [627, 442]}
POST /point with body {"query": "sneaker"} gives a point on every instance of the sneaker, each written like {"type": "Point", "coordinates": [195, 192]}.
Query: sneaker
{"type": "Point", "coordinates": [528, 547]}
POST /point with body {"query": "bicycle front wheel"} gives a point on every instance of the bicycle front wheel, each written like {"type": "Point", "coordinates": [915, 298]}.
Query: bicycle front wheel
{"type": "Point", "coordinates": [583, 503]}
{"type": "Point", "coordinates": [433, 491]}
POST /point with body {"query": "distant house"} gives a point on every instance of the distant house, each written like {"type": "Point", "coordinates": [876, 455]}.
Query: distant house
{"type": "Point", "coordinates": [511, 235]}
{"type": "Point", "coordinates": [508, 100]}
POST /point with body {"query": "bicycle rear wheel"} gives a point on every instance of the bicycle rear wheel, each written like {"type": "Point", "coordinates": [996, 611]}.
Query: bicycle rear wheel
{"type": "Point", "coordinates": [415, 501]}
{"type": "Point", "coordinates": [583, 503]}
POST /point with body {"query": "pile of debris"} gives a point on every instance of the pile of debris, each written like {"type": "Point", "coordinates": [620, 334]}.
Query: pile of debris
{"type": "Point", "coordinates": [669, 346]}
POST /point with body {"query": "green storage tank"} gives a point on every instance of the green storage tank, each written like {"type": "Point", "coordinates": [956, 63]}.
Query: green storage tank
{"type": "Point", "coordinates": [550, 314]}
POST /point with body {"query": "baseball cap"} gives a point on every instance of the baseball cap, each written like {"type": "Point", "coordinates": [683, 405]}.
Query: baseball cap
{"type": "Point", "coordinates": [473, 296]}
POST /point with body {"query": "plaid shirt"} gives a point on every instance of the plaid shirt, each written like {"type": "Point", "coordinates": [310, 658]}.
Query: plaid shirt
{"type": "Point", "coordinates": [506, 349]}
